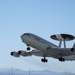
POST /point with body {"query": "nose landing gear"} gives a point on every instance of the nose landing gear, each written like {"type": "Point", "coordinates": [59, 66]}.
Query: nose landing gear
{"type": "Point", "coordinates": [28, 48]}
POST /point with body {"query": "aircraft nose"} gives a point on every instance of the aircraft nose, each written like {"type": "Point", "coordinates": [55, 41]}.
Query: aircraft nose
{"type": "Point", "coordinates": [25, 35]}
{"type": "Point", "coordinates": [22, 36]}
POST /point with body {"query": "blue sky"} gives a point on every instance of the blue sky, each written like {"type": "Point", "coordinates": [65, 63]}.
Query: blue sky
{"type": "Point", "coordinates": [41, 17]}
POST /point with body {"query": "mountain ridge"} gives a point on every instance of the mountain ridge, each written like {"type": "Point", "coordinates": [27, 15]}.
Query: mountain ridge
{"type": "Point", "coordinates": [13, 71]}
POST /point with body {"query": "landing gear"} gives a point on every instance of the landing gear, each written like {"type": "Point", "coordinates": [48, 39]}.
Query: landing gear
{"type": "Point", "coordinates": [28, 48]}
{"type": "Point", "coordinates": [44, 60]}
{"type": "Point", "coordinates": [61, 59]}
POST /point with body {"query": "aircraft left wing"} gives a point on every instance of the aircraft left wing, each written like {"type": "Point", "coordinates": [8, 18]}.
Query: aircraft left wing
{"type": "Point", "coordinates": [49, 52]}
{"type": "Point", "coordinates": [25, 54]}
{"type": "Point", "coordinates": [58, 53]}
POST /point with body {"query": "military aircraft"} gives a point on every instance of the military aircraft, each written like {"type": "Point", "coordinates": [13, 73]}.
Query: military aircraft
{"type": "Point", "coordinates": [44, 48]}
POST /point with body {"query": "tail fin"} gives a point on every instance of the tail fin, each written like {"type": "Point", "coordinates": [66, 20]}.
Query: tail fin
{"type": "Point", "coordinates": [74, 45]}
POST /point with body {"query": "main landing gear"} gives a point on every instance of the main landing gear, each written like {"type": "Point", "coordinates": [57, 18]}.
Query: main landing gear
{"type": "Point", "coordinates": [44, 60]}
{"type": "Point", "coordinates": [61, 59]}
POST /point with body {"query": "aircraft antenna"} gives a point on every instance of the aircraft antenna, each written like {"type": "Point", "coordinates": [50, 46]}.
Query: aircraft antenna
{"type": "Point", "coordinates": [29, 71]}
{"type": "Point", "coordinates": [62, 38]}
{"type": "Point", "coordinates": [12, 71]}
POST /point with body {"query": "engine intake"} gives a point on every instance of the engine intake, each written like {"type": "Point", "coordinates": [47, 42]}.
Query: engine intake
{"type": "Point", "coordinates": [15, 54]}
{"type": "Point", "coordinates": [72, 49]}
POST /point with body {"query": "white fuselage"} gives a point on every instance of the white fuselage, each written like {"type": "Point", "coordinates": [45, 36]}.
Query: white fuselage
{"type": "Point", "coordinates": [36, 42]}
{"type": "Point", "coordinates": [40, 44]}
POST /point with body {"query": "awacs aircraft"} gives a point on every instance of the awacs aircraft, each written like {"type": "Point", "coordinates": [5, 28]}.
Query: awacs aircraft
{"type": "Point", "coordinates": [45, 48]}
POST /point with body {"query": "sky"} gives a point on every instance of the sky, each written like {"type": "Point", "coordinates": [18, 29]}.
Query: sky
{"type": "Point", "coordinates": [41, 17]}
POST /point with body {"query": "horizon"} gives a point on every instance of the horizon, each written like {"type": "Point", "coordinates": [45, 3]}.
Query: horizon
{"type": "Point", "coordinates": [20, 70]}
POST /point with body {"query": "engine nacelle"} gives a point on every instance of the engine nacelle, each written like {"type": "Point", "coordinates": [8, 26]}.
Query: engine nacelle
{"type": "Point", "coordinates": [15, 54]}
{"type": "Point", "coordinates": [24, 53]}
{"type": "Point", "coordinates": [73, 49]}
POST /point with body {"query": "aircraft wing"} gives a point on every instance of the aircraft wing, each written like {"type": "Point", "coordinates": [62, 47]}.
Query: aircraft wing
{"type": "Point", "coordinates": [25, 54]}
{"type": "Point", "coordinates": [49, 52]}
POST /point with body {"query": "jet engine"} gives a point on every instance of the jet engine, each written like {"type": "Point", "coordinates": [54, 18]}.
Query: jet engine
{"type": "Point", "coordinates": [72, 49]}
{"type": "Point", "coordinates": [24, 53]}
{"type": "Point", "coordinates": [15, 54]}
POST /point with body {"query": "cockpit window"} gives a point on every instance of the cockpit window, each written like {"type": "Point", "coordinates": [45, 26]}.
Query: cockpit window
{"type": "Point", "coordinates": [26, 34]}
